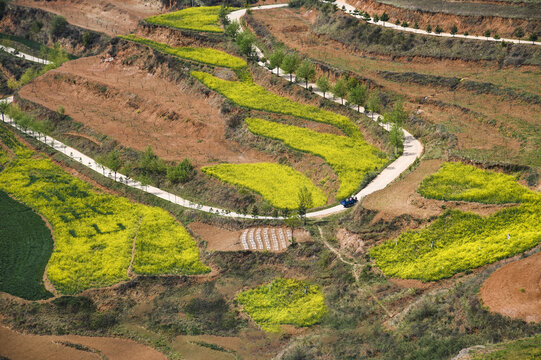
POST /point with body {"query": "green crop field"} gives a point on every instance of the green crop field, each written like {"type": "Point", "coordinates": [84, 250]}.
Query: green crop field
{"type": "Point", "coordinates": [256, 97]}
{"type": "Point", "coordinates": [459, 241]}
{"type": "Point", "coordinates": [200, 54]}
{"type": "Point", "coordinates": [350, 158]}
{"type": "Point", "coordinates": [204, 18]}
{"type": "Point", "coordinates": [94, 232]}
{"type": "Point", "coordinates": [278, 184]}
{"type": "Point", "coordinates": [26, 245]}
{"type": "Point", "coordinates": [284, 302]}
{"type": "Point", "coordinates": [457, 181]}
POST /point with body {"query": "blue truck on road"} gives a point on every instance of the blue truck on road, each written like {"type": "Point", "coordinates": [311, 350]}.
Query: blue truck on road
{"type": "Point", "coordinates": [349, 202]}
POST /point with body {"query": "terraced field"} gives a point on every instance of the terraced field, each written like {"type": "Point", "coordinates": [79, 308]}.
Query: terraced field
{"type": "Point", "coordinates": [204, 18]}
{"type": "Point", "coordinates": [95, 232]}
{"type": "Point", "coordinates": [278, 184]}
{"type": "Point", "coordinates": [461, 182]}
{"type": "Point", "coordinates": [459, 241]}
{"type": "Point", "coordinates": [256, 97]}
{"type": "Point", "coordinates": [203, 55]}
{"type": "Point", "coordinates": [350, 158]}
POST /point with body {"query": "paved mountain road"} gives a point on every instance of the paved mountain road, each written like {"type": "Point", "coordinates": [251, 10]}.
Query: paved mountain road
{"type": "Point", "coordinates": [412, 150]}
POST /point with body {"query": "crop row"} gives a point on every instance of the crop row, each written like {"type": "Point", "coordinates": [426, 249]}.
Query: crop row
{"type": "Point", "coordinates": [461, 182]}
{"type": "Point", "coordinates": [199, 54]}
{"type": "Point", "coordinates": [284, 302]}
{"type": "Point", "coordinates": [350, 158]}
{"type": "Point", "coordinates": [278, 184]}
{"type": "Point", "coordinates": [95, 232]}
{"type": "Point", "coordinates": [204, 18]}
{"type": "Point", "coordinates": [250, 95]}
{"type": "Point", "coordinates": [460, 241]}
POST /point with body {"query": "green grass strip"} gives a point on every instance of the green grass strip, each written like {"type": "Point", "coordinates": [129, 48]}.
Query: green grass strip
{"type": "Point", "coordinates": [204, 18]}
{"type": "Point", "coordinates": [461, 182]}
{"type": "Point", "coordinates": [278, 184]}
{"type": "Point", "coordinates": [256, 97]}
{"type": "Point", "coordinates": [351, 159]}
{"type": "Point", "coordinates": [200, 54]}
{"type": "Point", "coordinates": [284, 302]}
{"type": "Point", "coordinates": [460, 241]}
{"type": "Point", "coordinates": [26, 245]}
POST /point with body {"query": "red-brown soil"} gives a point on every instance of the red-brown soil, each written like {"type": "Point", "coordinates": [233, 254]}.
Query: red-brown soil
{"type": "Point", "coordinates": [251, 344]}
{"type": "Point", "coordinates": [139, 109]}
{"type": "Point", "coordinates": [112, 17]}
{"type": "Point", "coordinates": [14, 345]}
{"type": "Point", "coordinates": [220, 239]}
{"type": "Point", "coordinates": [514, 290]}
{"type": "Point", "coordinates": [475, 25]}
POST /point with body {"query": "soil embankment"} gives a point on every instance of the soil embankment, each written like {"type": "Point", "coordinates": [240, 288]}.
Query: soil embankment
{"type": "Point", "coordinates": [140, 109]}
{"type": "Point", "coordinates": [14, 345]}
{"type": "Point", "coordinates": [108, 16]}
{"type": "Point", "coordinates": [474, 25]}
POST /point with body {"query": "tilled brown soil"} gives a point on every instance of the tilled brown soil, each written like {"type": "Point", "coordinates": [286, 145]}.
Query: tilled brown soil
{"type": "Point", "coordinates": [514, 290]}
{"type": "Point", "coordinates": [17, 346]}
{"type": "Point", "coordinates": [139, 109]}
{"type": "Point", "coordinates": [221, 239]}
{"type": "Point", "coordinates": [112, 17]}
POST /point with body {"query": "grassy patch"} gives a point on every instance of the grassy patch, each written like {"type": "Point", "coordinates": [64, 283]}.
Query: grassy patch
{"type": "Point", "coordinates": [253, 96]}
{"type": "Point", "coordinates": [200, 54]}
{"type": "Point", "coordinates": [459, 241]}
{"type": "Point", "coordinates": [94, 231]}
{"type": "Point", "coordinates": [523, 349]}
{"type": "Point", "coordinates": [460, 182]}
{"type": "Point", "coordinates": [26, 245]}
{"type": "Point", "coordinates": [278, 184]}
{"type": "Point", "coordinates": [350, 158]}
{"type": "Point", "coordinates": [284, 302]}
{"type": "Point", "coordinates": [204, 18]}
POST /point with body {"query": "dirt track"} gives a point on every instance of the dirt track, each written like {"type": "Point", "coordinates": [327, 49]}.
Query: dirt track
{"type": "Point", "coordinates": [16, 346]}
{"type": "Point", "coordinates": [514, 290]}
{"type": "Point", "coordinates": [112, 17]}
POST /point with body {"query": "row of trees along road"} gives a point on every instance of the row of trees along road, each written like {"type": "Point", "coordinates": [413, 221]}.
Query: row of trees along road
{"type": "Point", "coordinates": [345, 88]}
